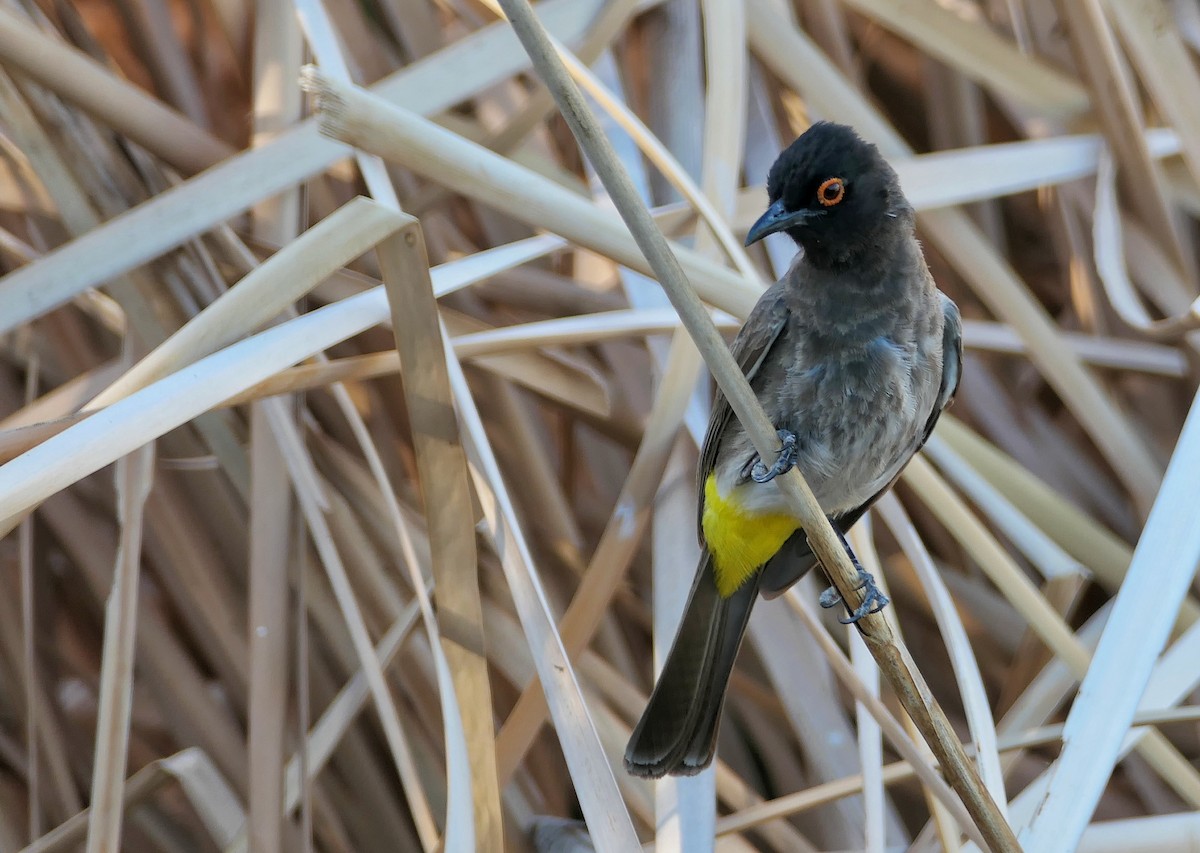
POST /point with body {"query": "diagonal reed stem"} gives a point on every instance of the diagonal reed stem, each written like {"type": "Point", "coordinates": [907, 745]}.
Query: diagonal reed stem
{"type": "Point", "coordinates": [892, 658]}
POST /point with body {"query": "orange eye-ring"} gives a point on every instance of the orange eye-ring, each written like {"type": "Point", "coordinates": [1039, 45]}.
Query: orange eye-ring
{"type": "Point", "coordinates": [831, 192]}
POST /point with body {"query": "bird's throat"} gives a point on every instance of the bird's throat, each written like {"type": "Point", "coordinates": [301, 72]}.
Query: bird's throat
{"type": "Point", "coordinates": [741, 540]}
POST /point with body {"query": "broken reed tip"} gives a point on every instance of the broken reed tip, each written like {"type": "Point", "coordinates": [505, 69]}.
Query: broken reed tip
{"type": "Point", "coordinates": [330, 105]}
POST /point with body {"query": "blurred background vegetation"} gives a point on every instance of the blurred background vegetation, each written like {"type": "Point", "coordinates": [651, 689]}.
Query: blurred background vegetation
{"type": "Point", "coordinates": [176, 626]}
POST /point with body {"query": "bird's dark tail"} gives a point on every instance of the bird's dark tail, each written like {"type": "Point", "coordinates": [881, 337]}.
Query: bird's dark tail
{"type": "Point", "coordinates": [678, 730]}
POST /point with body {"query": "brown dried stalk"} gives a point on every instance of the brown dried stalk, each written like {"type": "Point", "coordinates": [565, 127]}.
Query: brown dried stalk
{"type": "Point", "coordinates": [893, 659]}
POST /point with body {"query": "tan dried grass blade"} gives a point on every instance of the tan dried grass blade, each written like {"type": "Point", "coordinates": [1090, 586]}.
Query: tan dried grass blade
{"type": "Point", "coordinates": [134, 474]}
{"type": "Point", "coordinates": [1156, 47]}
{"type": "Point", "coordinates": [1038, 613]}
{"type": "Point", "coordinates": [616, 548]}
{"type": "Point", "coordinates": [878, 633]}
{"type": "Point", "coordinates": [1110, 265]}
{"type": "Point", "coordinates": [892, 728]}
{"type": "Point", "coordinates": [118, 103]}
{"type": "Point", "coordinates": [608, 820]}
{"type": "Point", "coordinates": [450, 517]}
{"type": "Point", "coordinates": [197, 205]}
{"type": "Point", "coordinates": [1158, 579]}
{"type": "Point", "coordinates": [208, 792]}
{"type": "Point", "coordinates": [366, 121]}
{"type": "Point", "coordinates": [975, 50]}
{"type": "Point", "coordinates": [565, 386]}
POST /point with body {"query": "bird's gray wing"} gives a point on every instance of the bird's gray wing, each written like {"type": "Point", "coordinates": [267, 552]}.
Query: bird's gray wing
{"type": "Point", "coordinates": [750, 349]}
{"type": "Point", "coordinates": [951, 364]}
{"type": "Point", "coordinates": [795, 557]}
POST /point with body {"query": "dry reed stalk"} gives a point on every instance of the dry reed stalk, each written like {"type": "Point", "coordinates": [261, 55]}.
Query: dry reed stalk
{"type": "Point", "coordinates": [114, 101]}
{"type": "Point", "coordinates": [1038, 612]}
{"type": "Point", "coordinates": [277, 105]}
{"type": "Point", "coordinates": [870, 733]}
{"type": "Point", "coordinates": [892, 659]}
{"type": "Point", "coordinates": [116, 678]}
{"type": "Point", "coordinates": [492, 822]}
{"type": "Point", "coordinates": [1157, 48]}
{"type": "Point", "coordinates": [657, 153]}
{"type": "Point", "coordinates": [974, 695]}
{"type": "Point", "coordinates": [398, 741]}
{"type": "Point", "coordinates": [1159, 574]}
{"type": "Point", "coordinates": [1092, 544]}
{"type": "Point", "coordinates": [607, 818]}
{"type": "Point", "coordinates": [367, 122]}
{"type": "Point", "coordinates": [621, 537]}
{"type": "Point", "coordinates": [893, 729]}
{"type": "Point", "coordinates": [1104, 70]}
{"type": "Point", "coordinates": [306, 492]}
{"type": "Point", "coordinates": [1111, 266]}
{"type": "Point", "coordinates": [162, 223]}
{"type": "Point", "coordinates": [983, 56]}
{"type": "Point", "coordinates": [562, 401]}
{"type": "Point", "coordinates": [30, 678]}
{"type": "Point", "coordinates": [450, 520]}
{"type": "Point", "coordinates": [900, 770]}
{"type": "Point", "coordinates": [201, 782]}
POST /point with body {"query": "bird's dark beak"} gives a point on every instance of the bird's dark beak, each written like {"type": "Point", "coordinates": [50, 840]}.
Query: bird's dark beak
{"type": "Point", "coordinates": [777, 218]}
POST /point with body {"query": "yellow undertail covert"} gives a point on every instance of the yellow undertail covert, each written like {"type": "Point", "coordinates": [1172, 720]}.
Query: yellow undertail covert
{"type": "Point", "coordinates": [740, 541]}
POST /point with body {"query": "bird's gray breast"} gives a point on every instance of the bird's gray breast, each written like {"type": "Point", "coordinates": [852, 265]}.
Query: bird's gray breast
{"type": "Point", "coordinates": [856, 412]}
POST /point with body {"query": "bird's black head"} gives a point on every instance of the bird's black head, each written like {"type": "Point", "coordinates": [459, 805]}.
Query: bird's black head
{"type": "Point", "coordinates": [835, 195]}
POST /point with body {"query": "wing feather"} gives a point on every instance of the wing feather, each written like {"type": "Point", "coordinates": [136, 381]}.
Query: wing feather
{"type": "Point", "coordinates": [750, 349]}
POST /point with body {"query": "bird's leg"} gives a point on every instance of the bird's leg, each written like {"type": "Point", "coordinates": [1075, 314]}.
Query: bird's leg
{"type": "Point", "coordinates": [760, 473]}
{"type": "Point", "coordinates": [873, 599]}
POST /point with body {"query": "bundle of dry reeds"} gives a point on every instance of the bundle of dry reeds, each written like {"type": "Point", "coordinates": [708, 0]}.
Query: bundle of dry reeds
{"type": "Point", "coordinates": [348, 441]}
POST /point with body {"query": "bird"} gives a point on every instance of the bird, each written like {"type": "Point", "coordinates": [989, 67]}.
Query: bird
{"type": "Point", "coordinates": [853, 354]}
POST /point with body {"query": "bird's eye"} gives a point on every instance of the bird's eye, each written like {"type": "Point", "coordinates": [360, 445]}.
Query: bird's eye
{"type": "Point", "coordinates": [831, 192]}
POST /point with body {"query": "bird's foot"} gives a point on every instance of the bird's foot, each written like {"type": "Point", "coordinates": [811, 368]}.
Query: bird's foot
{"type": "Point", "coordinates": [873, 599]}
{"type": "Point", "coordinates": [786, 459]}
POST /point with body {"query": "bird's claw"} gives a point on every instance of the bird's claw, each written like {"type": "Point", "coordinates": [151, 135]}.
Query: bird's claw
{"type": "Point", "coordinates": [760, 473]}
{"type": "Point", "coordinates": [873, 599]}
